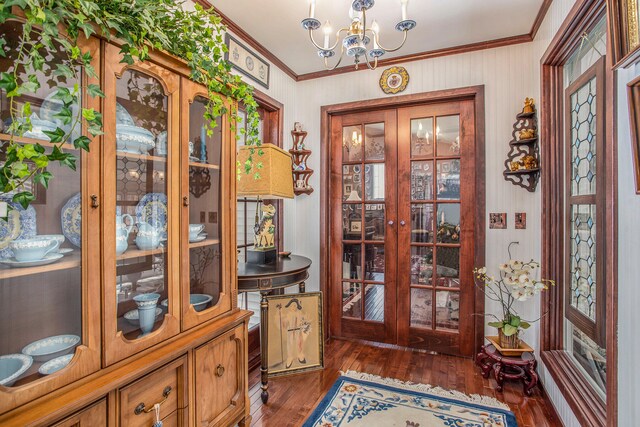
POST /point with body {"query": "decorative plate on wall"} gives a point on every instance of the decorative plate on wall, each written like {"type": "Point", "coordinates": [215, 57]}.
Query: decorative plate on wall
{"type": "Point", "coordinates": [394, 80]}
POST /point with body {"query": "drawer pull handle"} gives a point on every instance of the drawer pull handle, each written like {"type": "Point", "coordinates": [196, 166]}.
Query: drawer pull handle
{"type": "Point", "coordinates": [219, 370]}
{"type": "Point", "coordinates": [142, 408]}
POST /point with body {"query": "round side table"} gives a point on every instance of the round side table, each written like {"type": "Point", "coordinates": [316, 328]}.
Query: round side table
{"type": "Point", "coordinates": [521, 368]}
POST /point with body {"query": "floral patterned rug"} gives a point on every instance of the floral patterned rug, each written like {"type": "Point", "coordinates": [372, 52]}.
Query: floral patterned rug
{"type": "Point", "coordinates": [358, 399]}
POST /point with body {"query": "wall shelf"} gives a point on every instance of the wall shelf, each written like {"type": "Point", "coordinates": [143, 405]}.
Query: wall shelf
{"type": "Point", "coordinates": [526, 176]}
{"type": "Point", "coordinates": [299, 156]}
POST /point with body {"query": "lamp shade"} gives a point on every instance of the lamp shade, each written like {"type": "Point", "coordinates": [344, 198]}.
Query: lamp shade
{"type": "Point", "coordinates": [275, 180]}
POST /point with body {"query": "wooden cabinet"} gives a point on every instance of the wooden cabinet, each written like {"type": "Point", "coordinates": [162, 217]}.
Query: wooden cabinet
{"type": "Point", "coordinates": [143, 290]}
{"type": "Point", "coordinates": [93, 416]}
{"type": "Point", "coordinates": [221, 372]}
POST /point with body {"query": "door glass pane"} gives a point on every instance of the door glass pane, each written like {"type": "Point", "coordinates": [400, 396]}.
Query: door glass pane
{"type": "Point", "coordinates": [448, 179]}
{"type": "Point", "coordinates": [447, 310]}
{"type": "Point", "coordinates": [374, 263]}
{"type": "Point", "coordinates": [205, 273]}
{"type": "Point", "coordinates": [374, 303]}
{"type": "Point", "coordinates": [448, 136]}
{"type": "Point", "coordinates": [40, 247]}
{"type": "Point", "coordinates": [374, 141]}
{"type": "Point", "coordinates": [374, 221]}
{"type": "Point", "coordinates": [352, 221]}
{"type": "Point", "coordinates": [421, 265]}
{"type": "Point", "coordinates": [141, 198]}
{"type": "Point", "coordinates": [422, 180]}
{"type": "Point", "coordinates": [448, 268]}
{"type": "Point", "coordinates": [352, 262]}
{"type": "Point", "coordinates": [352, 183]}
{"type": "Point", "coordinates": [448, 223]}
{"type": "Point", "coordinates": [421, 308]}
{"type": "Point", "coordinates": [352, 144]}
{"type": "Point", "coordinates": [583, 140]}
{"type": "Point", "coordinates": [351, 300]}
{"type": "Point", "coordinates": [374, 181]}
{"type": "Point", "coordinates": [422, 223]}
{"type": "Point", "coordinates": [422, 137]}
{"type": "Point", "coordinates": [582, 260]}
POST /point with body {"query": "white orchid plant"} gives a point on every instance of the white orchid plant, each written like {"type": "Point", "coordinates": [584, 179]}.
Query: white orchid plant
{"type": "Point", "coordinates": [516, 282]}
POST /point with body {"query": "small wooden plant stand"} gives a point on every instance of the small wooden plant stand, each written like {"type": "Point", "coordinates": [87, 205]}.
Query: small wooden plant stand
{"type": "Point", "coordinates": [521, 367]}
{"type": "Point", "coordinates": [301, 172]}
{"type": "Point", "coordinates": [519, 148]}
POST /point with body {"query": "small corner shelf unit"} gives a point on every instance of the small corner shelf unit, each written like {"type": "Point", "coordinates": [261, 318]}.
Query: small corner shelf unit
{"type": "Point", "coordinates": [301, 172]}
{"type": "Point", "coordinates": [526, 178]}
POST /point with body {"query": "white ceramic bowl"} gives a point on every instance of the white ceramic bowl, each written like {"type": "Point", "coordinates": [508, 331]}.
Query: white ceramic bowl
{"type": "Point", "coordinates": [49, 348]}
{"type": "Point", "coordinates": [54, 365]}
{"type": "Point", "coordinates": [12, 366]}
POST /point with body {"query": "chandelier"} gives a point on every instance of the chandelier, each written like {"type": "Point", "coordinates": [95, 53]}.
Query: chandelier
{"type": "Point", "coordinates": [357, 36]}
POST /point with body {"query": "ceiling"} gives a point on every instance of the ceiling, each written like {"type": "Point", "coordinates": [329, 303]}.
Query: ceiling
{"type": "Point", "coordinates": [441, 24]}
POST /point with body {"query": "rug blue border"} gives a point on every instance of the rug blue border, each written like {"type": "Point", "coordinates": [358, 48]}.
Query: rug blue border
{"type": "Point", "coordinates": [317, 412]}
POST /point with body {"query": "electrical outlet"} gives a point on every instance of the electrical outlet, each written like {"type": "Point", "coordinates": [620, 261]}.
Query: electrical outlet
{"type": "Point", "coordinates": [213, 217]}
{"type": "Point", "coordinates": [203, 216]}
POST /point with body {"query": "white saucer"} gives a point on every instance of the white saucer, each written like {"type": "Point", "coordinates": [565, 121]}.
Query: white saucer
{"type": "Point", "coordinates": [50, 258]}
{"type": "Point", "coordinates": [200, 238]}
{"type": "Point", "coordinates": [65, 251]}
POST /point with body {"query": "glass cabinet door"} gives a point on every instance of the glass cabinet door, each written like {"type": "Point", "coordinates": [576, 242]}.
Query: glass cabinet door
{"type": "Point", "coordinates": [141, 134]}
{"type": "Point", "coordinates": [206, 290]}
{"type": "Point", "coordinates": [48, 303]}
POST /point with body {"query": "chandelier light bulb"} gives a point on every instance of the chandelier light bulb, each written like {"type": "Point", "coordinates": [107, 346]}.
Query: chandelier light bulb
{"type": "Point", "coordinates": [312, 8]}
{"type": "Point", "coordinates": [327, 30]}
{"type": "Point", "coordinates": [403, 4]}
{"type": "Point", "coordinates": [376, 30]}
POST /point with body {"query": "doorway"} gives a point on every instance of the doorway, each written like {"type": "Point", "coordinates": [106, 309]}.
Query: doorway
{"type": "Point", "coordinates": [404, 220]}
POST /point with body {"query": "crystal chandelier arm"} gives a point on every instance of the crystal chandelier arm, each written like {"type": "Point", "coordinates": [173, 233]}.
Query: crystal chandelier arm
{"type": "Point", "coordinates": [404, 39]}
{"type": "Point", "coordinates": [329, 48]}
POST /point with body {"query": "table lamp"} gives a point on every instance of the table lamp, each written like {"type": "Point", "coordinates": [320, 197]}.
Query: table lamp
{"type": "Point", "coordinates": [275, 182]}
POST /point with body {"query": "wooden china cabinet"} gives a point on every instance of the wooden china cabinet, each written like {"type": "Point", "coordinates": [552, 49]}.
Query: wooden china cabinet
{"type": "Point", "coordinates": [141, 295]}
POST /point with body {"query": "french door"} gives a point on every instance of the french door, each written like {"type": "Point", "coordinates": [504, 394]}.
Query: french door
{"type": "Point", "coordinates": [403, 220]}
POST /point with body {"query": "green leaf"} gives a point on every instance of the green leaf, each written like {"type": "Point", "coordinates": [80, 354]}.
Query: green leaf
{"type": "Point", "coordinates": [515, 321]}
{"type": "Point", "coordinates": [509, 330]}
{"type": "Point", "coordinates": [7, 82]}
{"type": "Point", "coordinates": [55, 136]}
{"type": "Point", "coordinates": [498, 325]}
{"type": "Point", "coordinates": [43, 178]}
{"type": "Point", "coordinates": [89, 114]}
{"type": "Point", "coordinates": [94, 90]}
{"type": "Point", "coordinates": [26, 109]}
{"type": "Point", "coordinates": [525, 325]}
{"type": "Point", "coordinates": [65, 114]}
{"type": "Point", "coordinates": [82, 142]}
{"type": "Point", "coordinates": [24, 198]}
{"type": "Point", "coordinates": [64, 71]}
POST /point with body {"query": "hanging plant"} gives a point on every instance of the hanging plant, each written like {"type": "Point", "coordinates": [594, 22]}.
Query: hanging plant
{"type": "Point", "coordinates": [142, 26]}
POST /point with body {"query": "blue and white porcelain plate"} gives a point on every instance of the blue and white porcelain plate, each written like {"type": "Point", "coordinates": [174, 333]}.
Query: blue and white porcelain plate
{"type": "Point", "coordinates": [152, 209]}
{"type": "Point", "coordinates": [54, 365]}
{"type": "Point", "coordinates": [51, 347]}
{"type": "Point", "coordinates": [20, 224]}
{"type": "Point", "coordinates": [71, 218]}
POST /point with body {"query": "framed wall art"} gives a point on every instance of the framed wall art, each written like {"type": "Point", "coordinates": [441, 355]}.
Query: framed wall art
{"type": "Point", "coordinates": [625, 30]}
{"type": "Point", "coordinates": [246, 61]}
{"type": "Point", "coordinates": [394, 80]}
{"type": "Point", "coordinates": [633, 93]}
{"type": "Point", "coordinates": [295, 333]}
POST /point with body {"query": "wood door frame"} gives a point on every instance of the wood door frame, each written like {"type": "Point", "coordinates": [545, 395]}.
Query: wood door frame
{"type": "Point", "coordinates": [474, 93]}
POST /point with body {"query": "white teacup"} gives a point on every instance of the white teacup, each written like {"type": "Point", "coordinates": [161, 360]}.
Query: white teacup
{"type": "Point", "coordinates": [195, 230]}
{"type": "Point", "coordinates": [34, 249]}
{"type": "Point", "coordinates": [59, 237]}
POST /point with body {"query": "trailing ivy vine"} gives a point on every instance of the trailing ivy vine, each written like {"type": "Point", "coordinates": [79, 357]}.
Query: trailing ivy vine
{"type": "Point", "coordinates": [142, 26]}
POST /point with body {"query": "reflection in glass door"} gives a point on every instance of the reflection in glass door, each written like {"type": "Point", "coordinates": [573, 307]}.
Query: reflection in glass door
{"type": "Point", "coordinates": [364, 228]}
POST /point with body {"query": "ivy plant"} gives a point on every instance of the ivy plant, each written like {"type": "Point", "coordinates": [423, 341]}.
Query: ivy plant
{"type": "Point", "coordinates": [142, 26]}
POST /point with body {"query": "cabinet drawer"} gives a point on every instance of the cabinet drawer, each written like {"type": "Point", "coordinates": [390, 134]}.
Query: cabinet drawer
{"type": "Point", "coordinates": [94, 415]}
{"type": "Point", "coordinates": [166, 385]}
{"type": "Point", "coordinates": [220, 378]}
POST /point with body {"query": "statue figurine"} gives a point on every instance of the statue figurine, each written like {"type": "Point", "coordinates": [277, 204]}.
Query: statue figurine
{"type": "Point", "coordinates": [529, 162]}
{"type": "Point", "coordinates": [265, 230]}
{"type": "Point", "coordinates": [527, 134]}
{"type": "Point", "coordinates": [514, 166]}
{"type": "Point", "coordinates": [529, 106]}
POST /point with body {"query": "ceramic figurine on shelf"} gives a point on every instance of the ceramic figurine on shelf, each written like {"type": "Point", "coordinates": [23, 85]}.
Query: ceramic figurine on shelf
{"type": "Point", "coordinates": [529, 162]}
{"type": "Point", "coordinates": [297, 126]}
{"type": "Point", "coordinates": [300, 167]}
{"type": "Point", "coordinates": [527, 134]}
{"type": "Point", "coordinates": [529, 106]}
{"type": "Point", "coordinates": [514, 166]}
{"type": "Point", "coordinates": [300, 184]}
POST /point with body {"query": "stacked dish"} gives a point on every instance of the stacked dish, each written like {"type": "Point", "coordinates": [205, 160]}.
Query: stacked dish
{"type": "Point", "coordinates": [129, 137]}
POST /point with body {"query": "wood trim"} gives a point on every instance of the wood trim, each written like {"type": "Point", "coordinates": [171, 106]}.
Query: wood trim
{"type": "Point", "coordinates": [578, 393]}
{"type": "Point", "coordinates": [633, 95]}
{"type": "Point", "coordinates": [238, 31]}
{"type": "Point", "coordinates": [622, 54]}
{"type": "Point", "coordinates": [477, 93]}
{"type": "Point", "coordinates": [455, 50]}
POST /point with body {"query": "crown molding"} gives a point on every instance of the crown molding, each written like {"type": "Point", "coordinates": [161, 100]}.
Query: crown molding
{"type": "Point", "coordinates": [455, 50]}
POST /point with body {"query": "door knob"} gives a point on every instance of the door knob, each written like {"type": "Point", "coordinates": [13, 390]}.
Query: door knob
{"type": "Point", "coordinates": [390, 222]}
{"type": "Point", "coordinates": [402, 223]}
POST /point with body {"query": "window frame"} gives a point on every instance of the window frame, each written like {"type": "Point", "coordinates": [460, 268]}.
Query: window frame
{"type": "Point", "coordinates": [585, 402]}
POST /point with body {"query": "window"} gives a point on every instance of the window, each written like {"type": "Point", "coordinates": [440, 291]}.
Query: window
{"type": "Point", "coordinates": [578, 342]}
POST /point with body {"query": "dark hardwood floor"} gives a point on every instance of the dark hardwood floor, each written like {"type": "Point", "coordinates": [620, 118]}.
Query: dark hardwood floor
{"type": "Point", "coordinates": [292, 398]}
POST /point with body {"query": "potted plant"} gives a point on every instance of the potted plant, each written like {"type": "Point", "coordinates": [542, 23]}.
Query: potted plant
{"type": "Point", "coordinates": [516, 282]}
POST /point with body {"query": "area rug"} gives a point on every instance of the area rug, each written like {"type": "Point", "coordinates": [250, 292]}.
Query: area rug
{"type": "Point", "coordinates": [357, 399]}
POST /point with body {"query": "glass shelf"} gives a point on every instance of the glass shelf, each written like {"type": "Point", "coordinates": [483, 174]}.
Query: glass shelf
{"type": "Point", "coordinates": [67, 262]}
